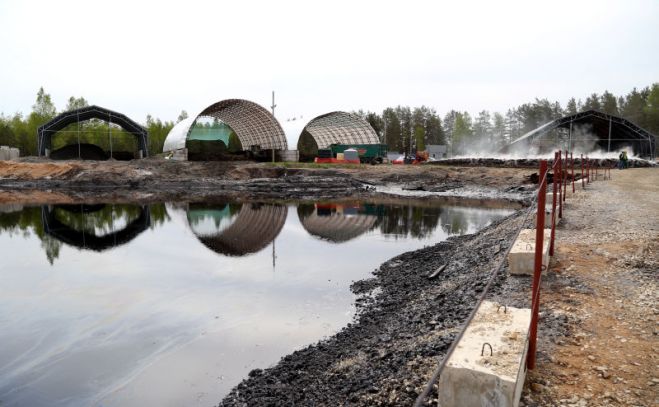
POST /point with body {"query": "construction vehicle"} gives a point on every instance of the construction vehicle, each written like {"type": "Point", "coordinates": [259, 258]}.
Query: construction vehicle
{"type": "Point", "coordinates": [418, 158]}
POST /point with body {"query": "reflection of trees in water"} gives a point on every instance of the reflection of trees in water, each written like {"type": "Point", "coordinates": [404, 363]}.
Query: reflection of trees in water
{"type": "Point", "coordinates": [460, 220]}
{"type": "Point", "coordinates": [96, 219]}
{"type": "Point", "coordinates": [396, 220]}
{"type": "Point", "coordinates": [26, 222]}
{"type": "Point", "coordinates": [90, 219]}
{"type": "Point", "coordinates": [407, 220]}
{"type": "Point", "coordinates": [200, 213]}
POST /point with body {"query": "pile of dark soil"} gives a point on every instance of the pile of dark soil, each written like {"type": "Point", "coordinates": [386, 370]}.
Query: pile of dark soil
{"type": "Point", "coordinates": [86, 152]}
{"type": "Point", "coordinates": [199, 150]}
{"type": "Point", "coordinates": [123, 155]}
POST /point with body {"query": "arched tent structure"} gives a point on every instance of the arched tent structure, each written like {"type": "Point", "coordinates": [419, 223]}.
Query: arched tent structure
{"type": "Point", "coordinates": [46, 132]}
{"type": "Point", "coordinates": [253, 124]}
{"type": "Point", "coordinates": [589, 130]}
{"type": "Point", "coordinates": [339, 128]}
{"type": "Point", "coordinates": [57, 229]}
{"type": "Point", "coordinates": [254, 227]}
{"type": "Point", "coordinates": [177, 135]}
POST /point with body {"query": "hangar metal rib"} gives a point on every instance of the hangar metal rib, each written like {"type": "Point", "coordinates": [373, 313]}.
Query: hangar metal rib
{"type": "Point", "coordinates": [252, 123]}
{"type": "Point", "coordinates": [46, 131]}
{"type": "Point", "coordinates": [612, 132]}
{"type": "Point", "coordinates": [341, 128]}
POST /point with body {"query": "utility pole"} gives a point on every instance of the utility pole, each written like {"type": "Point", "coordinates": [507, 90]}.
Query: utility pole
{"type": "Point", "coordinates": [273, 115]}
{"type": "Point", "coordinates": [274, 255]}
{"type": "Point", "coordinates": [273, 103]}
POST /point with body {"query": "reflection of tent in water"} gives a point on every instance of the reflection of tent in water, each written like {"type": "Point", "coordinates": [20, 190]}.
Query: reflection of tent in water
{"type": "Point", "coordinates": [97, 216]}
{"type": "Point", "coordinates": [248, 231]}
{"type": "Point", "coordinates": [335, 222]}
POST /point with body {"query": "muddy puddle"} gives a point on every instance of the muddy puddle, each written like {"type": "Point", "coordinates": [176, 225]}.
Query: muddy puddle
{"type": "Point", "coordinates": [173, 304]}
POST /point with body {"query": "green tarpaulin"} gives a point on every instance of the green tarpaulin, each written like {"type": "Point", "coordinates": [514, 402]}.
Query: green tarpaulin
{"type": "Point", "coordinates": [214, 132]}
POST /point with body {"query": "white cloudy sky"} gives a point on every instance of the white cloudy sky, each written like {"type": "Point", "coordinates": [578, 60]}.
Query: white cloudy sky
{"type": "Point", "coordinates": [160, 57]}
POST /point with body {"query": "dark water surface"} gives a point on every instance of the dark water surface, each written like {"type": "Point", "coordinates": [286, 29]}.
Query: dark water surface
{"type": "Point", "coordinates": [173, 304]}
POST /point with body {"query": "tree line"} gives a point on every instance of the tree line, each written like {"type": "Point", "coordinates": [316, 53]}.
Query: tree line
{"type": "Point", "coordinates": [402, 128]}
{"type": "Point", "coordinates": [406, 129]}
{"type": "Point", "coordinates": [21, 131]}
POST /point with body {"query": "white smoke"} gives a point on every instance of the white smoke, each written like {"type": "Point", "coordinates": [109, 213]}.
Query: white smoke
{"type": "Point", "coordinates": [583, 141]}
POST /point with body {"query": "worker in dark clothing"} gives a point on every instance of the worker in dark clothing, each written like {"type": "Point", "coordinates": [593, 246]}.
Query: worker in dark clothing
{"type": "Point", "coordinates": [622, 160]}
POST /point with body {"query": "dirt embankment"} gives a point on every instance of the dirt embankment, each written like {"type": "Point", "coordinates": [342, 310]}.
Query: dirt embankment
{"type": "Point", "coordinates": [165, 180]}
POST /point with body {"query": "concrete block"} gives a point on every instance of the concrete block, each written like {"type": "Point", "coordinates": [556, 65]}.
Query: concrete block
{"type": "Point", "coordinates": [547, 217]}
{"type": "Point", "coordinates": [521, 258]}
{"type": "Point", "coordinates": [178, 155]}
{"type": "Point", "coordinates": [470, 379]}
{"type": "Point", "coordinates": [8, 153]}
{"type": "Point", "coordinates": [288, 155]}
{"type": "Point", "coordinates": [550, 197]}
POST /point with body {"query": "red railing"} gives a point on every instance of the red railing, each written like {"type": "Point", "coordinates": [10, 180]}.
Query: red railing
{"type": "Point", "coordinates": [559, 191]}
{"type": "Point", "coordinates": [537, 268]}
{"type": "Point", "coordinates": [559, 185]}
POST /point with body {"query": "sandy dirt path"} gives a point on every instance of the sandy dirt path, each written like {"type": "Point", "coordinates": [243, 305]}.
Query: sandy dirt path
{"type": "Point", "coordinates": [598, 334]}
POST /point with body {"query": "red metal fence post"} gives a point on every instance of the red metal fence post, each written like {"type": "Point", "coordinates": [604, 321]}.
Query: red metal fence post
{"type": "Point", "coordinates": [587, 170]}
{"type": "Point", "coordinates": [572, 167]}
{"type": "Point", "coordinates": [560, 183]}
{"type": "Point", "coordinates": [565, 178]}
{"type": "Point", "coordinates": [583, 180]}
{"type": "Point", "coordinates": [553, 208]}
{"type": "Point", "coordinates": [537, 269]}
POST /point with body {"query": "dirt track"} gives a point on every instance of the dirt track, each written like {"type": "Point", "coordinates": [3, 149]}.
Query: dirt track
{"type": "Point", "coordinates": [598, 334]}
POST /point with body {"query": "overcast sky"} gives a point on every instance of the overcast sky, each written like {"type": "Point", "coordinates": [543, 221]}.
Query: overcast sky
{"type": "Point", "coordinates": [160, 57]}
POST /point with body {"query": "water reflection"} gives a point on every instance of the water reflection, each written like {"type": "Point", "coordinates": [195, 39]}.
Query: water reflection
{"type": "Point", "coordinates": [162, 320]}
{"type": "Point", "coordinates": [341, 222]}
{"type": "Point", "coordinates": [336, 222]}
{"type": "Point", "coordinates": [230, 228]}
{"type": "Point", "coordinates": [236, 229]}
{"type": "Point", "coordinates": [95, 227]}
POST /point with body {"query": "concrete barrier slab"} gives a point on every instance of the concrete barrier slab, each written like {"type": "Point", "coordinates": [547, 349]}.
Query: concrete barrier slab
{"type": "Point", "coordinates": [521, 258]}
{"type": "Point", "coordinates": [547, 218]}
{"type": "Point", "coordinates": [470, 379]}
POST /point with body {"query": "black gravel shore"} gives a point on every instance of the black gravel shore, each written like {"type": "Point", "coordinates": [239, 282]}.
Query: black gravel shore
{"type": "Point", "coordinates": [405, 324]}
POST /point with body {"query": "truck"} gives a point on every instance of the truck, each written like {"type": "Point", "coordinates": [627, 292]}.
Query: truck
{"type": "Point", "coordinates": [368, 153]}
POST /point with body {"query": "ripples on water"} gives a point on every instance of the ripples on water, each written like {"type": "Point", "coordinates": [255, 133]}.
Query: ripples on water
{"type": "Point", "coordinates": [121, 305]}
